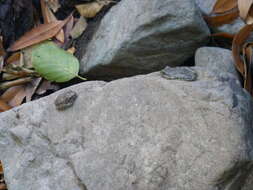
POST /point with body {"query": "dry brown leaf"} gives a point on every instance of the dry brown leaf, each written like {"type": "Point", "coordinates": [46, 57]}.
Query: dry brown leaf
{"type": "Point", "coordinates": [222, 19]}
{"type": "Point", "coordinates": [244, 7]}
{"type": "Point", "coordinates": [18, 98]}
{"type": "Point", "coordinates": [11, 93]}
{"type": "Point", "coordinates": [224, 35]}
{"type": "Point", "coordinates": [48, 17]}
{"type": "Point", "coordinates": [1, 168]}
{"type": "Point", "coordinates": [222, 6]}
{"type": "Point", "coordinates": [53, 4]}
{"type": "Point", "coordinates": [90, 10]}
{"type": "Point", "coordinates": [71, 50]}
{"type": "Point", "coordinates": [248, 85]}
{"type": "Point", "coordinates": [31, 88]}
{"type": "Point", "coordinates": [38, 34]}
{"type": "Point", "coordinates": [9, 84]}
{"type": "Point", "coordinates": [249, 19]}
{"type": "Point", "coordinates": [45, 86]}
{"type": "Point", "coordinates": [3, 187]}
{"type": "Point", "coordinates": [79, 28]}
{"type": "Point", "coordinates": [2, 51]}
{"type": "Point", "coordinates": [4, 106]}
{"type": "Point", "coordinates": [13, 58]}
{"type": "Point", "coordinates": [238, 42]}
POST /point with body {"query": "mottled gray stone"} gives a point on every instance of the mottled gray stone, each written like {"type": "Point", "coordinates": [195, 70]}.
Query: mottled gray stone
{"type": "Point", "coordinates": [139, 133]}
{"type": "Point", "coordinates": [144, 36]}
{"type": "Point", "coordinates": [217, 60]}
{"type": "Point", "coordinates": [206, 7]}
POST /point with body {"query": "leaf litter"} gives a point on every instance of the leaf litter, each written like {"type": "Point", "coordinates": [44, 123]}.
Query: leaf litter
{"type": "Point", "coordinates": [38, 60]}
{"type": "Point", "coordinates": [225, 12]}
{"type": "Point", "coordinates": [34, 65]}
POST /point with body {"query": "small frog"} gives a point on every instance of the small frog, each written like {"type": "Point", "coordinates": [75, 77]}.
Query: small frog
{"type": "Point", "coordinates": [65, 100]}
{"type": "Point", "coordinates": [179, 73]}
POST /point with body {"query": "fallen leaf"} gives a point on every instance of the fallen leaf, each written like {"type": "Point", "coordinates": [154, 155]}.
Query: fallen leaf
{"type": "Point", "coordinates": [2, 51]}
{"type": "Point", "coordinates": [31, 88]}
{"type": "Point", "coordinates": [53, 4]}
{"type": "Point", "coordinates": [248, 83]}
{"type": "Point", "coordinates": [220, 20]}
{"type": "Point", "coordinates": [239, 39]}
{"type": "Point", "coordinates": [222, 6]}
{"type": "Point", "coordinates": [9, 84]}
{"type": "Point", "coordinates": [18, 98]}
{"type": "Point", "coordinates": [1, 64]}
{"type": "Point", "coordinates": [244, 7]}
{"type": "Point", "coordinates": [1, 168]}
{"type": "Point", "coordinates": [48, 17]}
{"type": "Point", "coordinates": [224, 35]}
{"type": "Point", "coordinates": [69, 27]}
{"type": "Point", "coordinates": [3, 187]}
{"type": "Point", "coordinates": [79, 28]}
{"type": "Point", "coordinates": [53, 63]}
{"type": "Point", "coordinates": [249, 19]}
{"type": "Point", "coordinates": [13, 58]}
{"type": "Point", "coordinates": [45, 86]}
{"type": "Point", "coordinates": [90, 10]}
{"type": "Point", "coordinates": [11, 93]}
{"type": "Point", "coordinates": [4, 106]}
{"type": "Point", "coordinates": [38, 34]}
{"type": "Point", "coordinates": [72, 50]}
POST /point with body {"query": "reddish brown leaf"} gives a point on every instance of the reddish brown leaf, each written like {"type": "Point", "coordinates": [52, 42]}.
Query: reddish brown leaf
{"type": "Point", "coordinates": [11, 93]}
{"type": "Point", "coordinates": [18, 98]}
{"type": "Point", "coordinates": [38, 34]}
{"type": "Point", "coordinates": [224, 35]}
{"type": "Point", "coordinates": [248, 79]}
{"type": "Point", "coordinates": [3, 187]}
{"type": "Point", "coordinates": [222, 6]}
{"type": "Point", "coordinates": [1, 168]}
{"type": "Point", "coordinates": [2, 51]}
{"type": "Point", "coordinates": [4, 106]}
{"type": "Point", "coordinates": [222, 19]}
{"type": "Point", "coordinates": [237, 45]}
{"type": "Point", "coordinates": [13, 58]}
{"type": "Point", "coordinates": [48, 17]}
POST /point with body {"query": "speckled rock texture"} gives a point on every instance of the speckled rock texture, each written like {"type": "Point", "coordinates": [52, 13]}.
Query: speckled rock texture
{"type": "Point", "coordinates": [139, 133]}
{"type": "Point", "coordinates": [137, 37]}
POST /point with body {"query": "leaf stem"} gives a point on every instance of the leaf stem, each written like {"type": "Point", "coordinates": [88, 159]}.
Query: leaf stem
{"type": "Point", "coordinates": [80, 77]}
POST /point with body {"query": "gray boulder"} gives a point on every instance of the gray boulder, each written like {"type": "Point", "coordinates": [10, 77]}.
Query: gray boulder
{"type": "Point", "coordinates": [206, 7]}
{"type": "Point", "coordinates": [139, 133]}
{"type": "Point", "coordinates": [143, 36]}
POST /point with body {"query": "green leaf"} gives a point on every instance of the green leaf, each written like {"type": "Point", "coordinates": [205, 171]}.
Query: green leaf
{"type": "Point", "coordinates": [53, 63]}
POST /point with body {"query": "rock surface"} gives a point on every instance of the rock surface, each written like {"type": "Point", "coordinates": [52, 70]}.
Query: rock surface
{"type": "Point", "coordinates": [144, 36]}
{"type": "Point", "coordinates": [139, 133]}
{"type": "Point", "coordinates": [206, 7]}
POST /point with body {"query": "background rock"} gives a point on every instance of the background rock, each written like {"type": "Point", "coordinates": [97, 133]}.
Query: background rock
{"type": "Point", "coordinates": [217, 60]}
{"type": "Point", "coordinates": [143, 36]}
{"type": "Point", "coordinates": [139, 133]}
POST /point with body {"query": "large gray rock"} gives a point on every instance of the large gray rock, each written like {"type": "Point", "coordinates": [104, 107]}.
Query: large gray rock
{"type": "Point", "coordinates": [139, 133]}
{"type": "Point", "coordinates": [143, 36]}
{"type": "Point", "coordinates": [206, 7]}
